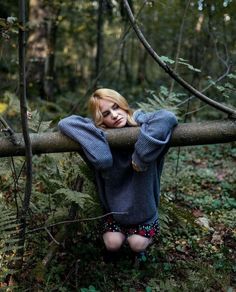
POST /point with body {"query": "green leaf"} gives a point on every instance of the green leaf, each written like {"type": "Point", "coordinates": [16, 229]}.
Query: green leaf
{"type": "Point", "coordinates": [80, 198]}
{"type": "Point", "coordinates": [166, 59]}
{"type": "Point", "coordinates": [231, 76]}
{"type": "Point", "coordinates": [190, 67]}
{"type": "Point", "coordinates": [36, 124]}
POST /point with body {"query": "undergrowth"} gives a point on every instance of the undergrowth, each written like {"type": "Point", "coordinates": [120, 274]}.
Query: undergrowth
{"type": "Point", "coordinates": [195, 250]}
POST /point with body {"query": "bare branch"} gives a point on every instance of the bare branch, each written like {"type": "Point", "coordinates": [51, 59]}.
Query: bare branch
{"type": "Point", "coordinates": [73, 221]}
{"type": "Point", "coordinates": [50, 234]}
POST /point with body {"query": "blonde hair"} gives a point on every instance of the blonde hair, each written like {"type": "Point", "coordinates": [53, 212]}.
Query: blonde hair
{"type": "Point", "coordinates": [111, 95]}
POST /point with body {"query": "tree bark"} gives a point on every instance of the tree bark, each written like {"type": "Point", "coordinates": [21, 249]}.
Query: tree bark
{"type": "Point", "coordinates": [100, 45]}
{"type": "Point", "coordinates": [184, 135]}
{"type": "Point", "coordinates": [37, 46]}
{"type": "Point", "coordinates": [49, 72]}
{"type": "Point", "coordinates": [41, 47]}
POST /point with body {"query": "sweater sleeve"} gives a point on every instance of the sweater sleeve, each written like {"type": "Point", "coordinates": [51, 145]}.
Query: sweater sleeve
{"type": "Point", "coordinates": [91, 139]}
{"type": "Point", "coordinates": [155, 133]}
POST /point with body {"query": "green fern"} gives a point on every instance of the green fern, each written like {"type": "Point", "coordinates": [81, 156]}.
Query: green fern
{"type": "Point", "coordinates": [73, 196]}
{"type": "Point", "coordinates": [9, 242]}
{"type": "Point", "coordinates": [169, 212]}
{"type": "Point", "coordinates": [161, 100]}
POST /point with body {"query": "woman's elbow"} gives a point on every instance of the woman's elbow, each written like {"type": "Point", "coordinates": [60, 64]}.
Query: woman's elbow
{"type": "Point", "coordinates": [170, 117]}
{"type": "Point", "coordinates": [63, 124]}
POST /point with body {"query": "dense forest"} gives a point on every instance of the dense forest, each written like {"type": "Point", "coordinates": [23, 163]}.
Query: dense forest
{"type": "Point", "coordinates": [49, 210]}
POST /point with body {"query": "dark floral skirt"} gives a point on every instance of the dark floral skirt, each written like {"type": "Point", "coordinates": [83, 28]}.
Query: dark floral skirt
{"type": "Point", "coordinates": [146, 230]}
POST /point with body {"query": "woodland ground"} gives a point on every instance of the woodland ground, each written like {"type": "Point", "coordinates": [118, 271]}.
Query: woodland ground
{"type": "Point", "coordinates": [186, 256]}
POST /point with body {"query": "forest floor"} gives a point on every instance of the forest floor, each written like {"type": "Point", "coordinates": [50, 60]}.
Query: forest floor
{"type": "Point", "coordinates": [195, 250]}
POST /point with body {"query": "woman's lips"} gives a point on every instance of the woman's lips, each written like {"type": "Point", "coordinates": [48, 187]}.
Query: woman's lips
{"type": "Point", "coordinates": [118, 121]}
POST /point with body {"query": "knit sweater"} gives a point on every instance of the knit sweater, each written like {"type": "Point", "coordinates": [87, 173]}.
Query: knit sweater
{"type": "Point", "coordinates": [134, 195]}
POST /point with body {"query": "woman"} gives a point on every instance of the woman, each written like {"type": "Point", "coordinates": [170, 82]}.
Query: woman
{"type": "Point", "coordinates": [128, 180]}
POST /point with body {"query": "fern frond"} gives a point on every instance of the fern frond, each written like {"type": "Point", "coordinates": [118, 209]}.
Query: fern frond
{"type": "Point", "coordinates": [161, 100]}
{"type": "Point", "coordinates": [8, 241]}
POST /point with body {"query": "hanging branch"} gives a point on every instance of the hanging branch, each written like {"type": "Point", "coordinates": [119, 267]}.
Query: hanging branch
{"type": "Point", "coordinates": [169, 71]}
{"type": "Point", "coordinates": [24, 123]}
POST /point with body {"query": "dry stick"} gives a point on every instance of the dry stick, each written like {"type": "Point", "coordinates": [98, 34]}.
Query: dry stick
{"type": "Point", "coordinates": [169, 71]}
{"type": "Point", "coordinates": [75, 221]}
{"type": "Point", "coordinates": [24, 122]}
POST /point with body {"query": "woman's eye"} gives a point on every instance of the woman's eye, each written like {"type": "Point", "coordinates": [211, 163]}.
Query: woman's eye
{"type": "Point", "coordinates": [105, 114]}
{"type": "Point", "coordinates": [115, 106]}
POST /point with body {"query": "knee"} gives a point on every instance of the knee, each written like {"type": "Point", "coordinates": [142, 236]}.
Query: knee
{"type": "Point", "coordinates": [113, 240]}
{"type": "Point", "coordinates": [138, 243]}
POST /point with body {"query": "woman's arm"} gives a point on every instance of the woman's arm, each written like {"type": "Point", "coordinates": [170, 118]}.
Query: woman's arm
{"type": "Point", "coordinates": [154, 136]}
{"type": "Point", "coordinates": [91, 139]}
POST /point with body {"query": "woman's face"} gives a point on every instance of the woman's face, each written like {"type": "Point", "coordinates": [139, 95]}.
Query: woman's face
{"type": "Point", "coordinates": [113, 115]}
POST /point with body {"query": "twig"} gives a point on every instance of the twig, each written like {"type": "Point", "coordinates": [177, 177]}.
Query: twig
{"type": "Point", "coordinates": [194, 111]}
{"type": "Point", "coordinates": [208, 86]}
{"type": "Point", "coordinates": [76, 220]}
{"type": "Point", "coordinates": [169, 71]}
{"type": "Point", "coordinates": [50, 234]}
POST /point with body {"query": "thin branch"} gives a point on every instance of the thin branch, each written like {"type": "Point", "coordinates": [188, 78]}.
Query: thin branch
{"type": "Point", "coordinates": [194, 111]}
{"type": "Point", "coordinates": [50, 234]}
{"type": "Point", "coordinates": [75, 220]}
{"type": "Point", "coordinates": [208, 86]}
{"type": "Point", "coordinates": [169, 71]}
{"type": "Point", "coordinates": [24, 122]}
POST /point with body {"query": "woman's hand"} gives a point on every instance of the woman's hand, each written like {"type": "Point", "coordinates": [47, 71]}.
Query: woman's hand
{"type": "Point", "coordinates": [135, 166]}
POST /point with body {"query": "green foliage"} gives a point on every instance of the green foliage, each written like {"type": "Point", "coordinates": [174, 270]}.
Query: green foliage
{"type": "Point", "coordinates": [186, 257]}
{"type": "Point", "coordinates": [36, 124]}
{"type": "Point", "coordinates": [79, 198]}
{"type": "Point", "coordinates": [161, 100]}
{"type": "Point", "coordinates": [181, 61]}
{"type": "Point", "coordinates": [9, 242]}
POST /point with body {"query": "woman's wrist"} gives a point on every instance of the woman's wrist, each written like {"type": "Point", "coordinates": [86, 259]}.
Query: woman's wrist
{"type": "Point", "coordinates": [135, 166]}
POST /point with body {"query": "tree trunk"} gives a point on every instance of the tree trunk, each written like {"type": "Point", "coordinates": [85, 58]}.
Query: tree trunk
{"type": "Point", "coordinates": [41, 48]}
{"type": "Point", "coordinates": [49, 73]}
{"type": "Point", "coordinates": [100, 22]}
{"type": "Point", "coordinates": [184, 135]}
{"type": "Point", "coordinates": [37, 47]}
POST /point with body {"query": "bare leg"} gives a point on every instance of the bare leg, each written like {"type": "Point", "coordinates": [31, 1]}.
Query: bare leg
{"type": "Point", "coordinates": [113, 240]}
{"type": "Point", "coordinates": [138, 243]}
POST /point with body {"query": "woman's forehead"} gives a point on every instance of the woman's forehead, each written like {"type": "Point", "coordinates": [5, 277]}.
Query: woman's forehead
{"type": "Point", "coordinates": [105, 104]}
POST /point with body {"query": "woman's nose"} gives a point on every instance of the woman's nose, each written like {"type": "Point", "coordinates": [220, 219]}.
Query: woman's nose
{"type": "Point", "coordinates": [113, 114]}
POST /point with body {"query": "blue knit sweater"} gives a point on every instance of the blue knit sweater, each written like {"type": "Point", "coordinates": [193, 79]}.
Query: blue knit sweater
{"type": "Point", "coordinates": [134, 195]}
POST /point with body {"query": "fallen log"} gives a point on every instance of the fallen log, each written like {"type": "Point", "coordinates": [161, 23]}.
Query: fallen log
{"type": "Point", "coordinates": [188, 134]}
